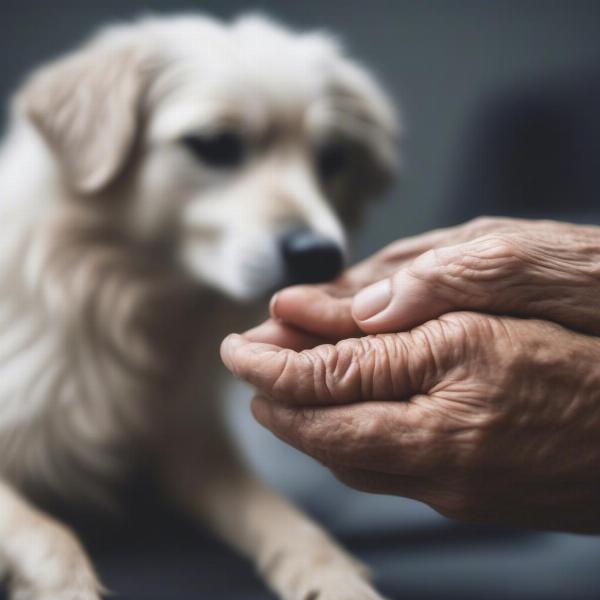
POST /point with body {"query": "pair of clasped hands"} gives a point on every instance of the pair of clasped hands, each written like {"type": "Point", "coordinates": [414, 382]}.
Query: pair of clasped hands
{"type": "Point", "coordinates": [460, 368]}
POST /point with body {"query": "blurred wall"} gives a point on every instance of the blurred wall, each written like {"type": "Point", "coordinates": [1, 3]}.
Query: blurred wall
{"type": "Point", "coordinates": [440, 59]}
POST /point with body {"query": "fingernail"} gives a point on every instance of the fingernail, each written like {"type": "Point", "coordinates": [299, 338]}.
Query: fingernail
{"type": "Point", "coordinates": [273, 306]}
{"type": "Point", "coordinates": [372, 300]}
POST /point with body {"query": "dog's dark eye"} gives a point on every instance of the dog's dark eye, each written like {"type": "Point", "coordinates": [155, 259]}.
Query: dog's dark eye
{"type": "Point", "coordinates": [331, 160]}
{"type": "Point", "coordinates": [223, 150]}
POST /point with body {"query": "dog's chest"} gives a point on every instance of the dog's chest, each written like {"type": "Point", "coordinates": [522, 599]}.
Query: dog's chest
{"type": "Point", "coordinates": [64, 403]}
{"type": "Point", "coordinates": [79, 382]}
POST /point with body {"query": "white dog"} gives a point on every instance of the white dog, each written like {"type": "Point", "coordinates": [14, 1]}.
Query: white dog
{"type": "Point", "coordinates": [155, 184]}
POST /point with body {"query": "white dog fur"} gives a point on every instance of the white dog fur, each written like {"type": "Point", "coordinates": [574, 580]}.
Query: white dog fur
{"type": "Point", "coordinates": [124, 260]}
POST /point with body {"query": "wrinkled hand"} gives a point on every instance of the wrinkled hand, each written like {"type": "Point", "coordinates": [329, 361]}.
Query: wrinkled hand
{"type": "Point", "coordinates": [539, 269]}
{"type": "Point", "coordinates": [483, 418]}
{"type": "Point", "coordinates": [490, 418]}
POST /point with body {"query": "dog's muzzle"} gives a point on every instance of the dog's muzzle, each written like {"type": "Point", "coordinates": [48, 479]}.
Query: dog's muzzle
{"type": "Point", "coordinates": [310, 257]}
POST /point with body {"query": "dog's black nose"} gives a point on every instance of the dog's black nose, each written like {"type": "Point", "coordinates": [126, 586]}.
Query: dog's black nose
{"type": "Point", "coordinates": [310, 257]}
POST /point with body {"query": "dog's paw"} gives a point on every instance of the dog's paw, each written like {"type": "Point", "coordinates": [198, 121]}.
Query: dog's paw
{"type": "Point", "coordinates": [339, 582]}
{"type": "Point", "coordinates": [339, 585]}
{"type": "Point", "coordinates": [54, 567]}
{"type": "Point", "coordinates": [80, 587]}
{"type": "Point", "coordinates": [56, 594]}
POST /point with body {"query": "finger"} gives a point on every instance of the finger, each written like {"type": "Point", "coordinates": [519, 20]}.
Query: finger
{"type": "Point", "coordinates": [372, 368]}
{"type": "Point", "coordinates": [402, 301]}
{"type": "Point", "coordinates": [508, 273]}
{"type": "Point", "coordinates": [283, 335]}
{"type": "Point", "coordinates": [390, 437]}
{"type": "Point", "coordinates": [315, 310]}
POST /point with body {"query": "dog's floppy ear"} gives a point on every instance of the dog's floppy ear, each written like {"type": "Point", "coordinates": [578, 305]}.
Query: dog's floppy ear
{"type": "Point", "coordinates": [87, 108]}
{"type": "Point", "coordinates": [375, 118]}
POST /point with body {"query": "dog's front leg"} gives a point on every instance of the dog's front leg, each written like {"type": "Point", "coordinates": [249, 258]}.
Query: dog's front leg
{"type": "Point", "coordinates": [42, 558]}
{"type": "Point", "coordinates": [298, 560]}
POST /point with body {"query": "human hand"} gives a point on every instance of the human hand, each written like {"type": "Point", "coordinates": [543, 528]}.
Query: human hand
{"type": "Point", "coordinates": [539, 269]}
{"type": "Point", "coordinates": [483, 418]}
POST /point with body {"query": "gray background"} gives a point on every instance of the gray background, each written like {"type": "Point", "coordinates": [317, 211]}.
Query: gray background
{"type": "Point", "coordinates": [442, 61]}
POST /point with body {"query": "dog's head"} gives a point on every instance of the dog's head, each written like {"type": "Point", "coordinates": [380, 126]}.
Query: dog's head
{"type": "Point", "coordinates": [245, 149]}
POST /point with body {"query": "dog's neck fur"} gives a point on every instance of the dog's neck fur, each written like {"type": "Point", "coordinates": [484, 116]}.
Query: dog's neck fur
{"type": "Point", "coordinates": [87, 333]}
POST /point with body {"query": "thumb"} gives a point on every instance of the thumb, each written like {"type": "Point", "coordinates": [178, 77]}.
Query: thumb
{"type": "Point", "coordinates": [401, 301]}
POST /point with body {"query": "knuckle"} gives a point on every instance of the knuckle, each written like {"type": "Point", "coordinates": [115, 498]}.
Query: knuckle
{"type": "Point", "coordinates": [466, 325]}
{"type": "Point", "coordinates": [319, 386]}
{"type": "Point", "coordinates": [487, 261]}
{"type": "Point", "coordinates": [453, 335]}
{"type": "Point", "coordinates": [340, 365]}
{"type": "Point", "coordinates": [377, 380]}
{"type": "Point", "coordinates": [482, 348]}
{"type": "Point", "coordinates": [427, 266]}
{"type": "Point", "coordinates": [500, 244]}
{"type": "Point", "coordinates": [428, 350]}
{"type": "Point", "coordinates": [445, 273]}
{"type": "Point", "coordinates": [323, 375]}
{"type": "Point", "coordinates": [284, 371]}
{"type": "Point", "coordinates": [471, 273]}
{"type": "Point", "coordinates": [360, 368]}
